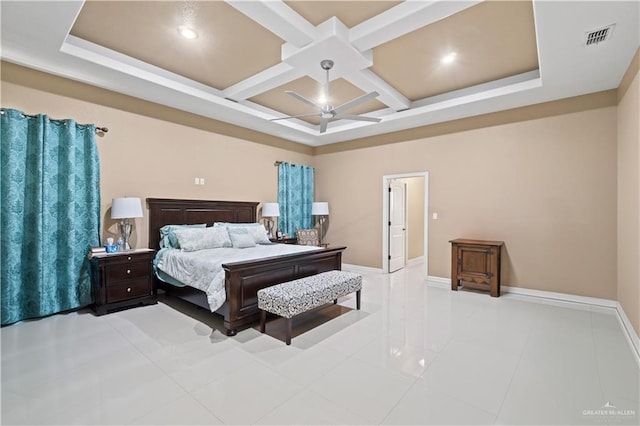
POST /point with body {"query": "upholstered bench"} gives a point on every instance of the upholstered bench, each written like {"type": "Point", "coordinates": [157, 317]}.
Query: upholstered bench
{"type": "Point", "coordinates": [295, 297]}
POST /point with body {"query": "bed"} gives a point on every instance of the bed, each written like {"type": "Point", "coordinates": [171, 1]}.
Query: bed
{"type": "Point", "coordinates": [243, 279]}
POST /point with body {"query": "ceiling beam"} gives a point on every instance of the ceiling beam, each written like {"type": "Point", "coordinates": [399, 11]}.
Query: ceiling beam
{"type": "Point", "coordinates": [268, 79]}
{"type": "Point", "coordinates": [278, 18]}
{"type": "Point", "coordinates": [402, 19]}
{"type": "Point", "coordinates": [368, 81]}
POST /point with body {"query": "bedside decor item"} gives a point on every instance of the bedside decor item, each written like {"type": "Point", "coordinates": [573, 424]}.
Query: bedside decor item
{"type": "Point", "coordinates": [126, 208]}
{"type": "Point", "coordinates": [476, 264]}
{"type": "Point", "coordinates": [320, 209]}
{"type": "Point", "coordinates": [308, 237]}
{"type": "Point", "coordinates": [269, 211]}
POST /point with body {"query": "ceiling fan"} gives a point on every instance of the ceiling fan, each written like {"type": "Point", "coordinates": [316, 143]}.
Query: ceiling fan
{"type": "Point", "coordinates": [327, 112]}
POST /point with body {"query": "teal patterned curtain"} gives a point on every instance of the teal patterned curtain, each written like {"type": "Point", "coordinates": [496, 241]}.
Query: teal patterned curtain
{"type": "Point", "coordinates": [50, 214]}
{"type": "Point", "coordinates": [295, 196]}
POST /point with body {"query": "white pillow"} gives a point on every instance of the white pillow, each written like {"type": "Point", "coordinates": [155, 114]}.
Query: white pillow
{"type": "Point", "coordinates": [241, 238]}
{"type": "Point", "coordinates": [256, 230]}
{"type": "Point", "coordinates": [192, 239]}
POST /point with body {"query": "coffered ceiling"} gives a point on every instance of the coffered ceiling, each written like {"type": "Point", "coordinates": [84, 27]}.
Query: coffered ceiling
{"type": "Point", "coordinates": [248, 54]}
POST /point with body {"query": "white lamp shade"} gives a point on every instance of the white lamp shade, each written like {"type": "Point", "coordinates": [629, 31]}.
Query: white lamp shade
{"type": "Point", "coordinates": [126, 207]}
{"type": "Point", "coordinates": [320, 209]}
{"type": "Point", "coordinates": [270, 210]}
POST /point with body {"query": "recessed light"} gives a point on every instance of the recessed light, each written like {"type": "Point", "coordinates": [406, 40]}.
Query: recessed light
{"type": "Point", "coordinates": [187, 32]}
{"type": "Point", "coordinates": [448, 58]}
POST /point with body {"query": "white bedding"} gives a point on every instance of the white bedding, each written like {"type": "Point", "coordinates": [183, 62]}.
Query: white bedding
{"type": "Point", "coordinates": [202, 269]}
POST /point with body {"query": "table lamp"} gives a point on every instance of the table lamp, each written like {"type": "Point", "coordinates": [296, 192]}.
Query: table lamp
{"type": "Point", "coordinates": [269, 211]}
{"type": "Point", "coordinates": [126, 208]}
{"type": "Point", "coordinates": [320, 209]}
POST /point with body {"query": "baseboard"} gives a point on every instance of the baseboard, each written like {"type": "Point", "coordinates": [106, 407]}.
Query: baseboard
{"type": "Point", "coordinates": [628, 331]}
{"type": "Point", "coordinates": [419, 259]}
{"type": "Point", "coordinates": [567, 300]}
{"type": "Point", "coordinates": [439, 282]}
{"type": "Point", "coordinates": [361, 269]}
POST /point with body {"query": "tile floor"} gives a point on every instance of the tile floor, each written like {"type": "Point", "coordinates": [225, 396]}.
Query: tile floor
{"type": "Point", "coordinates": [414, 354]}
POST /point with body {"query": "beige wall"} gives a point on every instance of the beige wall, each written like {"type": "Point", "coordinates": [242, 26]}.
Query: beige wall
{"type": "Point", "coordinates": [546, 187]}
{"type": "Point", "coordinates": [146, 157]}
{"type": "Point", "coordinates": [628, 267]}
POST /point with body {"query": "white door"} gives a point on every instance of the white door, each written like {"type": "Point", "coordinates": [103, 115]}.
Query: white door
{"type": "Point", "coordinates": [397, 225]}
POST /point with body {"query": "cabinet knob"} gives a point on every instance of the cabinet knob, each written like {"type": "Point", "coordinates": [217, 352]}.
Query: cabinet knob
{"type": "Point", "coordinates": [128, 271]}
{"type": "Point", "coordinates": [128, 289]}
{"type": "Point", "coordinates": [128, 257]}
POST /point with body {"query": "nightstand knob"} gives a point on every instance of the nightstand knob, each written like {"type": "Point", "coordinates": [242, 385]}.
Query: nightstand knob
{"type": "Point", "coordinates": [128, 289]}
{"type": "Point", "coordinates": [128, 257]}
{"type": "Point", "coordinates": [128, 271]}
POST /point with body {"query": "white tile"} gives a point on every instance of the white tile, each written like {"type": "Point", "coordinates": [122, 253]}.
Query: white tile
{"type": "Point", "coordinates": [424, 406]}
{"type": "Point", "coordinates": [543, 403]}
{"type": "Point", "coordinates": [310, 365]}
{"type": "Point", "coordinates": [309, 408]}
{"type": "Point", "coordinates": [368, 391]}
{"type": "Point", "coordinates": [397, 355]}
{"type": "Point", "coordinates": [183, 411]}
{"type": "Point", "coordinates": [247, 394]}
{"type": "Point", "coordinates": [196, 370]}
{"type": "Point", "coordinates": [473, 374]}
{"type": "Point", "coordinates": [24, 371]}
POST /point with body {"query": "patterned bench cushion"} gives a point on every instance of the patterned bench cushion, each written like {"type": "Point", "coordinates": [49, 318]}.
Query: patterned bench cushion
{"type": "Point", "coordinates": [297, 296]}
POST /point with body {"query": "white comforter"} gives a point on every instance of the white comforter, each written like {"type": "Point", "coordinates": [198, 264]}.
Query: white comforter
{"type": "Point", "coordinates": [202, 269]}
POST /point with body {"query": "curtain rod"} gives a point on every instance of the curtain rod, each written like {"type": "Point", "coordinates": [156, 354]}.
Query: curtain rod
{"type": "Point", "coordinates": [100, 131]}
{"type": "Point", "coordinates": [277, 163]}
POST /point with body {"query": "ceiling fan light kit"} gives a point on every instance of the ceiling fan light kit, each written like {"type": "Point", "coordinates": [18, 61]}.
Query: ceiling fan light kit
{"type": "Point", "coordinates": [326, 111]}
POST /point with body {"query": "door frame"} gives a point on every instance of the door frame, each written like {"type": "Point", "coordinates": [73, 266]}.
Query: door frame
{"type": "Point", "coordinates": [385, 218]}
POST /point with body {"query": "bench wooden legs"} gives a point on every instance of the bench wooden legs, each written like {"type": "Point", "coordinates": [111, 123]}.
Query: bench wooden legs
{"type": "Point", "coordinates": [288, 333]}
{"type": "Point", "coordinates": [263, 323]}
{"type": "Point", "coordinates": [263, 319]}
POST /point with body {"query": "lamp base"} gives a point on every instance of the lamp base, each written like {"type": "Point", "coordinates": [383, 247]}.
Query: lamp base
{"type": "Point", "coordinates": [125, 232]}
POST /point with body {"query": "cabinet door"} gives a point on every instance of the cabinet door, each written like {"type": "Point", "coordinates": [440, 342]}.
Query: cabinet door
{"type": "Point", "coordinates": [475, 264]}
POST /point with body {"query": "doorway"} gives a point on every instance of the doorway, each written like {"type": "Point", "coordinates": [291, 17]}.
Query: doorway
{"type": "Point", "coordinates": [387, 219]}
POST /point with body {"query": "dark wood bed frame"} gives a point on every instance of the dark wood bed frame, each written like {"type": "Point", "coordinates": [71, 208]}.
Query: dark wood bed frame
{"type": "Point", "coordinates": [242, 279]}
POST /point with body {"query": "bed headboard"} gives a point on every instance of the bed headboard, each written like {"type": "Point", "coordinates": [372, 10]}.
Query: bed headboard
{"type": "Point", "coordinates": [164, 211]}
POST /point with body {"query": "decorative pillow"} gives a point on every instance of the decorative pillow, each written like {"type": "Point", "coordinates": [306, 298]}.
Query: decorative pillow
{"type": "Point", "coordinates": [256, 230]}
{"type": "Point", "coordinates": [240, 237]}
{"type": "Point", "coordinates": [168, 238]}
{"type": "Point", "coordinates": [200, 239]}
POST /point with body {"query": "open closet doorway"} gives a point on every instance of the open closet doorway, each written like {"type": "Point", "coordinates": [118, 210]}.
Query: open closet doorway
{"type": "Point", "coordinates": [405, 226]}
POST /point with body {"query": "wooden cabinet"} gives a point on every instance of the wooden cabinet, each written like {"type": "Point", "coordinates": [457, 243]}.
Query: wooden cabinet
{"type": "Point", "coordinates": [476, 264]}
{"type": "Point", "coordinates": [121, 280]}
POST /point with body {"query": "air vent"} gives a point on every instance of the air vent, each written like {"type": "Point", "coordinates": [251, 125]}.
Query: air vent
{"type": "Point", "coordinates": [598, 36]}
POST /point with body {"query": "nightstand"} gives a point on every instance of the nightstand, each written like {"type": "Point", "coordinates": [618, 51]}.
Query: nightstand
{"type": "Point", "coordinates": [287, 240]}
{"type": "Point", "coordinates": [122, 280]}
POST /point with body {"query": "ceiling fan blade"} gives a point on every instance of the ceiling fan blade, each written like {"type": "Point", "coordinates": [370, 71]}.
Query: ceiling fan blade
{"type": "Point", "coordinates": [303, 99]}
{"type": "Point", "coordinates": [356, 117]}
{"type": "Point", "coordinates": [323, 124]}
{"type": "Point", "coordinates": [354, 102]}
{"type": "Point", "coordinates": [295, 116]}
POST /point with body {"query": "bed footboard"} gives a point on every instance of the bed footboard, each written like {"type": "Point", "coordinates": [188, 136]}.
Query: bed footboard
{"type": "Point", "coordinates": [244, 279]}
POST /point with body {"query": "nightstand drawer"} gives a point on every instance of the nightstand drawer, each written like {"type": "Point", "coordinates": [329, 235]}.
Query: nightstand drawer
{"type": "Point", "coordinates": [125, 271]}
{"type": "Point", "coordinates": [129, 289]}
